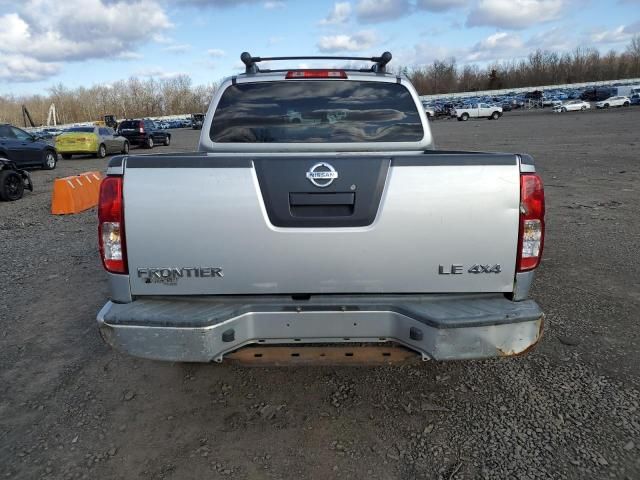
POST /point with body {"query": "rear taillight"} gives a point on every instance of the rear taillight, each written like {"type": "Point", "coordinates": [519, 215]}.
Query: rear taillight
{"type": "Point", "coordinates": [531, 234]}
{"type": "Point", "coordinates": [141, 125]}
{"type": "Point", "coordinates": [111, 226]}
{"type": "Point", "coordinates": [316, 74]}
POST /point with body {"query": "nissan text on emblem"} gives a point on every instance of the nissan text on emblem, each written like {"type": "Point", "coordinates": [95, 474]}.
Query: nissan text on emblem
{"type": "Point", "coordinates": [322, 174]}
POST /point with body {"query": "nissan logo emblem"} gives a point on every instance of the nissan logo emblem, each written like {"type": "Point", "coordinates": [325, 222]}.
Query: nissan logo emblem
{"type": "Point", "coordinates": [322, 174]}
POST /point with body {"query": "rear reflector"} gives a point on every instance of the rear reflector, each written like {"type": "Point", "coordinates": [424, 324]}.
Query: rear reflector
{"type": "Point", "coordinates": [316, 74]}
{"type": "Point", "coordinates": [111, 226]}
{"type": "Point", "coordinates": [531, 234]}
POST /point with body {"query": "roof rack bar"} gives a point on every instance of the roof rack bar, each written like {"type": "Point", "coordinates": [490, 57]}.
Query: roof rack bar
{"type": "Point", "coordinates": [251, 67]}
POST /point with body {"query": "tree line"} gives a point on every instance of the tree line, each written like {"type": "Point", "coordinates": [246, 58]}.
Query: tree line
{"type": "Point", "coordinates": [132, 98]}
{"type": "Point", "coordinates": [172, 96]}
{"type": "Point", "coordinates": [539, 68]}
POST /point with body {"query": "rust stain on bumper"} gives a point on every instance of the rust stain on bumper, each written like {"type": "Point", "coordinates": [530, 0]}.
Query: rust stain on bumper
{"type": "Point", "coordinates": [516, 353]}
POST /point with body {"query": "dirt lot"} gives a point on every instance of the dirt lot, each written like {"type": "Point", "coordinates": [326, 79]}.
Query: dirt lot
{"type": "Point", "coordinates": [70, 407]}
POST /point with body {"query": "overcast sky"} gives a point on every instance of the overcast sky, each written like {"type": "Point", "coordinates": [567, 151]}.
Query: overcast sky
{"type": "Point", "coordinates": [85, 42]}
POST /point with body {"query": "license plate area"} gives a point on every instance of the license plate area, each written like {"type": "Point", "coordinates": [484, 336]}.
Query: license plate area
{"type": "Point", "coordinates": [291, 355]}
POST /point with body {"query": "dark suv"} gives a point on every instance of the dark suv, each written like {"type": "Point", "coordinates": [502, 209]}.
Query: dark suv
{"type": "Point", "coordinates": [597, 94]}
{"type": "Point", "coordinates": [25, 149]}
{"type": "Point", "coordinates": [144, 133]}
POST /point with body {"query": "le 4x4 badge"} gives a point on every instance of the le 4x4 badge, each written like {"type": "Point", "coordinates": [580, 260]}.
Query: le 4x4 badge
{"type": "Point", "coordinates": [457, 269]}
{"type": "Point", "coordinates": [477, 268]}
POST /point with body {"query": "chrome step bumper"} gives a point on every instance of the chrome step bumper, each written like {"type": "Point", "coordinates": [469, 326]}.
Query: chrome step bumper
{"type": "Point", "coordinates": [204, 329]}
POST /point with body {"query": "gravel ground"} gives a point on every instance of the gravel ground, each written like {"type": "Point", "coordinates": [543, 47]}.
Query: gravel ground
{"type": "Point", "coordinates": [70, 407]}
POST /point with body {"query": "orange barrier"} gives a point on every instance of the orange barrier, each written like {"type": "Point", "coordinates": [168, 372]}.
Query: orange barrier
{"type": "Point", "coordinates": [76, 193]}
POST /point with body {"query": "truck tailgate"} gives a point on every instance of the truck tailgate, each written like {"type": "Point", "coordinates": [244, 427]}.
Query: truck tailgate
{"type": "Point", "coordinates": [429, 223]}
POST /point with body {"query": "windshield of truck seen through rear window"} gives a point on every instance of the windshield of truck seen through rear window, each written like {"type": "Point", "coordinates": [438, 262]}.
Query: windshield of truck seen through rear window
{"type": "Point", "coordinates": [316, 111]}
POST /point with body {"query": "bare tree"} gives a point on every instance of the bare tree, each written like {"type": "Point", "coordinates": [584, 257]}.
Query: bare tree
{"type": "Point", "coordinates": [124, 99]}
{"type": "Point", "coordinates": [633, 51]}
{"type": "Point", "coordinates": [540, 68]}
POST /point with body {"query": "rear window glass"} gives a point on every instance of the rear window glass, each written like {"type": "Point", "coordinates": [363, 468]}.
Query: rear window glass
{"type": "Point", "coordinates": [130, 124]}
{"type": "Point", "coordinates": [81, 129]}
{"type": "Point", "coordinates": [316, 111]}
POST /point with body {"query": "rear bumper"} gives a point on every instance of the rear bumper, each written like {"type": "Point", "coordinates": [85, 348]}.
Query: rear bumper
{"type": "Point", "coordinates": [78, 149]}
{"type": "Point", "coordinates": [439, 327]}
{"type": "Point", "coordinates": [135, 139]}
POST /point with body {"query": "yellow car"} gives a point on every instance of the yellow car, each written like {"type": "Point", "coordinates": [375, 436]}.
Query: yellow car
{"type": "Point", "coordinates": [91, 140]}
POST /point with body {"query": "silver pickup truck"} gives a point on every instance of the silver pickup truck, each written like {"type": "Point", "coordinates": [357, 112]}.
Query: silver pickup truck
{"type": "Point", "coordinates": [334, 229]}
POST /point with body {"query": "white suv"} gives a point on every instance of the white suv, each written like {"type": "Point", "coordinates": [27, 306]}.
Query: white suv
{"type": "Point", "coordinates": [614, 102]}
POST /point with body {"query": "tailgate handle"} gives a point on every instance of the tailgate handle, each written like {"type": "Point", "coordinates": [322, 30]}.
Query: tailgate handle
{"type": "Point", "coordinates": [318, 199]}
{"type": "Point", "coordinates": [318, 205]}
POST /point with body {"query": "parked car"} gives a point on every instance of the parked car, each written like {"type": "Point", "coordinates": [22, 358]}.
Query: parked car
{"type": "Point", "coordinates": [429, 110]}
{"type": "Point", "coordinates": [25, 149]}
{"type": "Point", "coordinates": [110, 121]}
{"type": "Point", "coordinates": [635, 99]}
{"type": "Point", "coordinates": [572, 105]}
{"type": "Point", "coordinates": [143, 132]}
{"type": "Point", "coordinates": [90, 140]}
{"type": "Point", "coordinates": [442, 109]}
{"type": "Point", "coordinates": [321, 233]}
{"type": "Point", "coordinates": [534, 95]}
{"type": "Point", "coordinates": [196, 120]}
{"type": "Point", "coordinates": [477, 110]}
{"type": "Point", "coordinates": [51, 132]}
{"type": "Point", "coordinates": [13, 181]}
{"type": "Point", "coordinates": [596, 94]}
{"type": "Point", "coordinates": [614, 102]}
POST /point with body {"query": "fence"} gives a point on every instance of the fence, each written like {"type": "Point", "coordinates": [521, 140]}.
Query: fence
{"type": "Point", "coordinates": [491, 93]}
